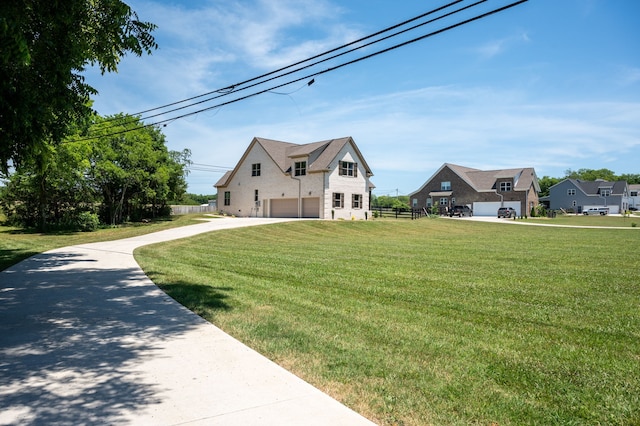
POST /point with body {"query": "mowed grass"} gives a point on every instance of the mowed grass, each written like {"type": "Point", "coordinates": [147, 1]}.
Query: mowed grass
{"type": "Point", "coordinates": [630, 221]}
{"type": "Point", "coordinates": [17, 244]}
{"type": "Point", "coordinates": [430, 321]}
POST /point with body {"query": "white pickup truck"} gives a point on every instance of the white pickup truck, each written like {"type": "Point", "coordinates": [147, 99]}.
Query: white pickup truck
{"type": "Point", "coordinates": [596, 210]}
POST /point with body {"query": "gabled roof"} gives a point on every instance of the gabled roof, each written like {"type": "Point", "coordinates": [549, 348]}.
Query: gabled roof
{"type": "Point", "coordinates": [319, 155]}
{"type": "Point", "coordinates": [593, 187]}
{"type": "Point", "coordinates": [485, 180]}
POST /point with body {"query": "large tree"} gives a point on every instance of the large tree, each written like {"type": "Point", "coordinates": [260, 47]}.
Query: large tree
{"type": "Point", "coordinates": [45, 46]}
{"type": "Point", "coordinates": [123, 171]}
{"type": "Point", "coordinates": [132, 170]}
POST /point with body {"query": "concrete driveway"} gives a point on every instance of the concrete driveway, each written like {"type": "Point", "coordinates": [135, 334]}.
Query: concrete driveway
{"type": "Point", "coordinates": [87, 338]}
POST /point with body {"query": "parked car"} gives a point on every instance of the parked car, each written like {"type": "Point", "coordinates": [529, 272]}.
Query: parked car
{"type": "Point", "coordinates": [596, 210]}
{"type": "Point", "coordinates": [461, 211]}
{"type": "Point", "coordinates": [506, 212]}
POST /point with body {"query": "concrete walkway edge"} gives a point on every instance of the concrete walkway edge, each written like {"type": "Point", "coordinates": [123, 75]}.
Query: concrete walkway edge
{"type": "Point", "coordinates": [87, 338]}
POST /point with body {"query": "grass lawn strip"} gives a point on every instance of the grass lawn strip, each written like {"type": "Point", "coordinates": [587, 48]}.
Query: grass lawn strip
{"type": "Point", "coordinates": [429, 321]}
{"type": "Point", "coordinates": [17, 244]}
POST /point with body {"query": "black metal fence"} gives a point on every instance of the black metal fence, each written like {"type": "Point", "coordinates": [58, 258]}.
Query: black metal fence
{"type": "Point", "coordinates": [398, 213]}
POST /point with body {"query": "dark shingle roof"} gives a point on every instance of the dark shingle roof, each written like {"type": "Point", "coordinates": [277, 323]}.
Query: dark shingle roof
{"type": "Point", "coordinates": [593, 187]}
{"type": "Point", "coordinates": [485, 180]}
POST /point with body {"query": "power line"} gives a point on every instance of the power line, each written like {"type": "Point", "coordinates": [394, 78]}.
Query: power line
{"type": "Point", "coordinates": [233, 87]}
{"type": "Point", "coordinates": [237, 86]}
{"type": "Point", "coordinates": [323, 60]}
{"type": "Point", "coordinates": [318, 73]}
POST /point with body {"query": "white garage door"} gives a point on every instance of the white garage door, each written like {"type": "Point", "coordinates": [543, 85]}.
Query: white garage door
{"type": "Point", "coordinates": [284, 207]}
{"type": "Point", "coordinates": [491, 209]}
{"type": "Point", "coordinates": [311, 207]}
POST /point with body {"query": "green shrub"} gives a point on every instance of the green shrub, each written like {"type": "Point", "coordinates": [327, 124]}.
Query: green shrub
{"type": "Point", "coordinates": [87, 222]}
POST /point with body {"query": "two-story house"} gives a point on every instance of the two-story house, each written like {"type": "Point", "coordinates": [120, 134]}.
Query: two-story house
{"type": "Point", "coordinates": [483, 191]}
{"type": "Point", "coordinates": [327, 180]}
{"type": "Point", "coordinates": [577, 195]}
{"type": "Point", "coordinates": [634, 197]}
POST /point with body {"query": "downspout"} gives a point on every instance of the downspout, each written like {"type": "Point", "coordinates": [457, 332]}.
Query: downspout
{"type": "Point", "coordinates": [501, 198]}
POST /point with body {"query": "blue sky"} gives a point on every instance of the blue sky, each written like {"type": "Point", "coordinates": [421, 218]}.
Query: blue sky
{"type": "Point", "coordinates": [548, 84]}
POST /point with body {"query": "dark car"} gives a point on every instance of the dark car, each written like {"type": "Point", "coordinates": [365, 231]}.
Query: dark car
{"type": "Point", "coordinates": [460, 211]}
{"type": "Point", "coordinates": [506, 212]}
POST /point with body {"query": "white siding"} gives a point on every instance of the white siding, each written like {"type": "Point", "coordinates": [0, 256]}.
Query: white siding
{"type": "Point", "coordinates": [312, 192]}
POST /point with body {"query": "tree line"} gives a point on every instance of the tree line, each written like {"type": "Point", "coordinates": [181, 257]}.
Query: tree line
{"type": "Point", "coordinates": [54, 175]}
{"type": "Point", "coordinates": [123, 172]}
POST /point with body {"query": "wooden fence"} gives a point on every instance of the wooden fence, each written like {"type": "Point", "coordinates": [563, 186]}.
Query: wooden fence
{"type": "Point", "coordinates": [389, 212]}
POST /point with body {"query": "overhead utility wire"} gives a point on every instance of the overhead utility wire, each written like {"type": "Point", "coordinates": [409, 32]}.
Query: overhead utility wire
{"type": "Point", "coordinates": [320, 61]}
{"type": "Point", "coordinates": [231, 87]}
{"type": "Point", "coordinates": [481, 16]}
{"type": "Point", "coordinates": [236, 87]}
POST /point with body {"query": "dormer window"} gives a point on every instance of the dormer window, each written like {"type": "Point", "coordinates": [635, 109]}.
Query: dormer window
{"type": "Point", "coordinates": [300, 168]}
{"type": "Point", "coordinates": [505, 186]}
{"type": "Point", "coordinates": [348, 168]}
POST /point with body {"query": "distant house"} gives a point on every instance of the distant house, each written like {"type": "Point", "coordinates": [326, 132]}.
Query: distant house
{"type": "Point", "coordinates": [327, 179]}
{"type": "Point", "coordinates": [634, 198]}
{"type": "Point", "coordinates": [483, 191]}
{"type": "Point", "coordinates": [578, 195]}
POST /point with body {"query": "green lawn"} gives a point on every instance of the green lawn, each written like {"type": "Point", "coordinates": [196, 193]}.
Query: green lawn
{"type": "Point", "coordinates": [429, 321]}
{"type": "Point", "coordinates": [581, 220]}
{"type": "Point", "coordinates": [17, 244]}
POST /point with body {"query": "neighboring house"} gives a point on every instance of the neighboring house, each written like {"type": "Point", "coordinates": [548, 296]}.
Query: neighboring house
{"type": "Point", "coordinates": [577, 195]}
{"type": "Point", "coordinates": [483, 191]}
{"type": "Point", "coordinates": [634, 198]}
{"type": "Point", "coordinates": [327, 179]}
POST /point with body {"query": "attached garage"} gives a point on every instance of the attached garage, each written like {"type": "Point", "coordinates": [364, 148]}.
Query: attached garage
{"type": "Point", "coordinates": [284, 207]}
{"type": "Point", "coordinates": [491, 208]}
{"type": "Point", "coordinates": [311, 208]}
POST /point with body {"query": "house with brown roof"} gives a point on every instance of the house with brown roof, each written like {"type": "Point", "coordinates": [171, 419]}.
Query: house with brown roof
{"type": "Point", "coordinates": [326, 179]}
{"type": "Point", "coordinates": [484, 191]}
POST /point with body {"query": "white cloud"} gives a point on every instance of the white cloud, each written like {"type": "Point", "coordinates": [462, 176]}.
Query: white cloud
{"type": "Point", "coordinates": [497, 47]}
{"type": "Point", "coordinates": [405, 134]}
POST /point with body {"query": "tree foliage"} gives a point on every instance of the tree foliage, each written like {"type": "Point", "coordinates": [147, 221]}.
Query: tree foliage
{"type": "Point", "coordinates": [123, 173]}
{"type": "Point", "coordinates": [133, 171]}
{"type": "Point", "coordinates": [547, 182]}
{"type": "Point", "coordinates": [386, 201]}
{"type": "Point", "coordinates": [45, 46]}
{"type": "Point", "coordinates": [591, 175]}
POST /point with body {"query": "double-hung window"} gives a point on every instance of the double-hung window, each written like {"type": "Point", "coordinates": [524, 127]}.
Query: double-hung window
{"type": "Point", "coordinates": [255, 169]}
{"type": "Point", "coordinates": [445, 186]}
{"type": "Point", "coordinates": [338, 200]}
{"type": "Point", "coordinates": [227, 198]}
{"type": "Point", "coordinates": [505, 186]}
{"type": "Point", "coordinates": [300, 168]}
{"type": "Point", "coordinates": [356, 201]}
{"type": "Point", "coordinates": [348, 168]}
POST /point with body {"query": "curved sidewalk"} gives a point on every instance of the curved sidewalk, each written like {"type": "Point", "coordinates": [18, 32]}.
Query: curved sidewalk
{"type": "Point", "coordinates": [87, 338]}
